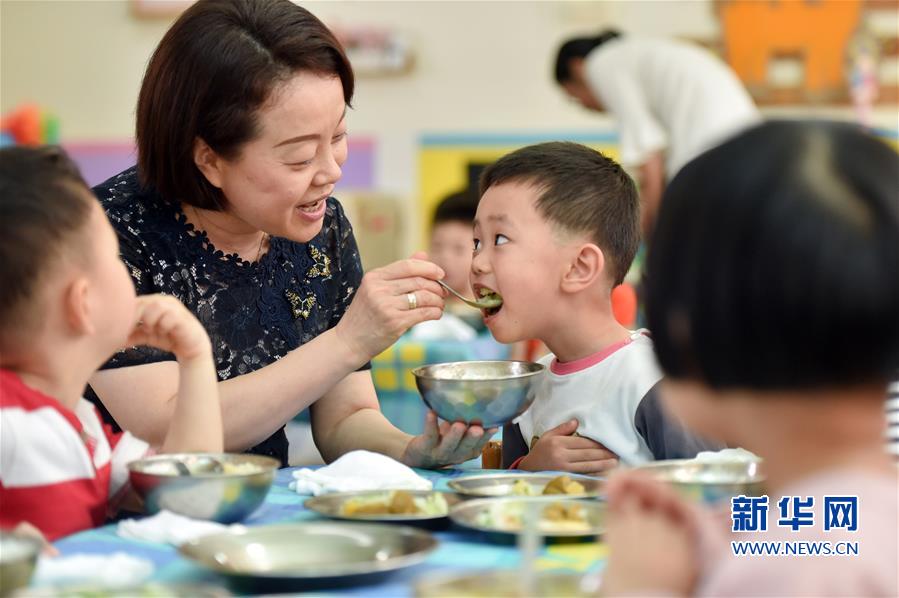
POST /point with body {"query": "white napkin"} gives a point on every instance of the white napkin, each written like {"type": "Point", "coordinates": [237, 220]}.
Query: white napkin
{"type": "Point", "coordinates": [117, 570]}
{"type": "Point", "coordinates": [728, 454]}
{"type": "Point", "coordinates": [448, 327]}
{"type": "Point", "coordinates": [356, 471]}
{"type": "Point", "coordinates": [166, 527]}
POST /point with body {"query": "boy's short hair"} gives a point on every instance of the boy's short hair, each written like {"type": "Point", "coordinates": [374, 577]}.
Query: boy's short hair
{"type": "Point", "coordinates": [461, 206]}
{"type": "Point", "coordinates": [579, 47]}
{"type": "Point", "coordinates": [212, 71]}
{"type": "Point", "coordinates": [580, 191]}
{"type": "Point", "coordinates": [775, 261]}
{"type": "Point", "coordinates": [44, 206]}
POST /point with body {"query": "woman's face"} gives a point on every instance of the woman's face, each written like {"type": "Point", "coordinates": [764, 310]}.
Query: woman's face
{"type": "Point", "coordinates": [281, 179]}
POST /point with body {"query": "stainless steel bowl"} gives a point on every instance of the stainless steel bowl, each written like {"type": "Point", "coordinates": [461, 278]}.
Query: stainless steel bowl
{"type": "Point", "coordinates": [307, 551]}
{"type": "Point", "coordinates": [226, 497]}
{"type": "Point", "coordinates": [490, 393]}
{"type": "Point", "coordinates": [18, 557]}
{"type": "Point", "coordinates": [709, 481]}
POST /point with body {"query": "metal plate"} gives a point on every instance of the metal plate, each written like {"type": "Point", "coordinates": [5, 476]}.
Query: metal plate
{"type": "Point", "coordinates": [500, 484]}
{"type": "Point", "coordinates": [469, 514]}
{"type": "Point", "coordinates": [503, 584]}
{"type": "Point", "coordinates": [308, 551]}
{"type": "Point", "coordinates": [331, 505]}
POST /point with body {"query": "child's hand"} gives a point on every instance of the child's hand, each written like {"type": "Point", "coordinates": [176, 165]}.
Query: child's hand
{"type": "Point", "coordinates": [559, 450]}
{"type": "Point", "coordinates": [163, 322]}
{"type": "Point", "coordinates": [28, 530]}
{"type": "Point", "coordinates": [652, 536]}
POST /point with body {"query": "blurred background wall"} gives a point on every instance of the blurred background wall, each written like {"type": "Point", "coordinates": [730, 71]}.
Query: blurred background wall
{"type": "Point", "coordinates": [475, 82]}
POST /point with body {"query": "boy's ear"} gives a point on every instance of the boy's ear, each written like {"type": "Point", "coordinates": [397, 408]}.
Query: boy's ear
{"type": "Point", "coordinates": [585, 268]}
{"type": "Point", "coordinates": [208, 162]}
{"type": "Point", "coordinates": [76, 307]}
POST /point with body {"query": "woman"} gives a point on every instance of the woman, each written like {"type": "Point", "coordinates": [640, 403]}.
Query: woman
{"type": "Point", "coordinates": [241, 134]}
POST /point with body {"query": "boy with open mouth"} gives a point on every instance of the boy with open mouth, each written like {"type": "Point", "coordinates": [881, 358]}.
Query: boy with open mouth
{"type": "Point", "coordinates": [556, 230]}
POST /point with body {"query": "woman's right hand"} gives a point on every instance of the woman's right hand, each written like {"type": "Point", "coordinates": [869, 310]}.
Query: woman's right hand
{"type": "Point", "coordinates": [381, 310]}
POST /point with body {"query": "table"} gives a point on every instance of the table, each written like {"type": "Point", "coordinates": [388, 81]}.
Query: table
{"type": "Point", "coordinates": [459, 550]}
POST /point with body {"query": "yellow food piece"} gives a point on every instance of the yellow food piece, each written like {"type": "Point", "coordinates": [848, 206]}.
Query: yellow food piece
{"type": "Point", "coordinates": [564, 485]}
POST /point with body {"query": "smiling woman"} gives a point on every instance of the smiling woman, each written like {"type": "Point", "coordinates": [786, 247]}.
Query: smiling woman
{"type": "Point", "coordinates": [241, 132]}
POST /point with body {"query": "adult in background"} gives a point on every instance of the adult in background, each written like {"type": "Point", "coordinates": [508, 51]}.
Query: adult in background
{"type": "Point", "coordinates": [241, 134]}
{"type": "Point", "coordinates": [671, 100]}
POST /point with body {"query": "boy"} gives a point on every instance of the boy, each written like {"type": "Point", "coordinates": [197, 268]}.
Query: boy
{"type": "Point", "coordinates": [67, 303]}
{"type": "Point", "coordinates": [756, 320]}
{"type": "Point", "coordinates": [556, 230]}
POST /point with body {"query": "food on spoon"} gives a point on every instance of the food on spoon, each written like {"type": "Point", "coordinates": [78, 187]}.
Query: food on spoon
{"type": "Point", "coordinates": [489, 299]}
{"type": "Point", "coordinates": [397, 502]}
{"type": "Point", "coordinates": [564, 485]}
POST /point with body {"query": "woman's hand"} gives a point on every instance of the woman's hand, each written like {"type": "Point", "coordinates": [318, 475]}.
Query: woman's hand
{"type": "Point", "coordinates": [163, 322]}
{"type": "Point", "coordinates": [653, 538]}
{"type": "Point", "coordinates": [560, 450]}
{"type": "Point", "coordinates": [445, 444]}
{"type": "Point", "coordinates": [383, 307]}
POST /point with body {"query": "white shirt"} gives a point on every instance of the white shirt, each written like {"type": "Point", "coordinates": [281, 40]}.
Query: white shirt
{"type": "Point", "coordinates": [667, 95]}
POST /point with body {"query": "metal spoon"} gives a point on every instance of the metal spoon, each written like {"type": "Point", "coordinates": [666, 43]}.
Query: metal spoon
{"type": "Point", "coordinates": [198, 465]}
{"type": "Point", "coordinates": [486, 303]}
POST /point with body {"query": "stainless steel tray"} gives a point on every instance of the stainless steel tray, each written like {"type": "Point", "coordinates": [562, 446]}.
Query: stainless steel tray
{"type": "Point", "coordinates": [310, 551]}
{"type": "Point", "coordinates": [331, 505]}
{"type": "Point", "coordinates": [472, 514]}
{"type": "Point", "coordinates": [500, 484]}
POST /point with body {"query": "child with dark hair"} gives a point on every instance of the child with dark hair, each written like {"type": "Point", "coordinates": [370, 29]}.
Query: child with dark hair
{"type": "Point", "coordinates": [66, 304]}
{"type": "Point", "coordinates": [450, 246]}
{"type": "Point", "coordinates": [774, 300]}
{"type": "Point", "coordinates": [557, 228]}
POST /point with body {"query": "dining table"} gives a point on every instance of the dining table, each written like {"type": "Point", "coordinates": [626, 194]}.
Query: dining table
{"type": "Point", "coordinates": [459, 550]}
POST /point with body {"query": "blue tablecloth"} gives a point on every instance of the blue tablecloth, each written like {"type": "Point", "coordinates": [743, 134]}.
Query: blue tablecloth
{"type": "Point", "coordinates": [459, 550]}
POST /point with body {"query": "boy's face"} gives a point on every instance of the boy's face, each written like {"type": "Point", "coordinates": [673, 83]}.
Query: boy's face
{"type": "Point", "coordinates": [451, 250]}
{"type": "Point", "coordinates": [110, 295]}
{"type": "Point", "coordinates": [517, 255]}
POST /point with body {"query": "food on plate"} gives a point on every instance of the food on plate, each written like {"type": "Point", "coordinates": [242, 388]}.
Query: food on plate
{"type": "Point", "coordinates": [555, 517]}
{"type": "Point", "coordinates": [523, 488]}
{"type": "Point", "coordinates": [396, 502]}
{"type": "Point", "coordinates": [564, 485]}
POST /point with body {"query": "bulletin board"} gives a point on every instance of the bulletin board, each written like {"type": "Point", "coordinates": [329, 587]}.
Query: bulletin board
{"type": "Point", "coordinates": [446, 161]}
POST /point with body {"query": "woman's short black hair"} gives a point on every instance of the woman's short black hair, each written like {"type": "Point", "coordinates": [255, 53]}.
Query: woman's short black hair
{"type": "Point", "coordinates": [775, 261]}
{"type": "Point", "coordinates": [579, 47]}
{"type": "Point", "coordinates": [212, 71]}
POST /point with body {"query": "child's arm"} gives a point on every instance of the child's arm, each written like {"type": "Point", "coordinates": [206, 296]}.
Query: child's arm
{"type": "Point", "coordinates": [559, 450]}
{"type": "Point", "coordinates": [514, 446]}
{"type": "Point", "coordinates": [653, 537]}
{"type": "Point", "coordinates": [665, 436]}
{"type": "Point", "coordinates": [165, 323]}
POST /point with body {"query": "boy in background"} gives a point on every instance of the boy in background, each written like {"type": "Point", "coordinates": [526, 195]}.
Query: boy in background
{"type": "Point", "coordinates": [556, 230]}
{"type": "Point", "coordinates": [66, 304]}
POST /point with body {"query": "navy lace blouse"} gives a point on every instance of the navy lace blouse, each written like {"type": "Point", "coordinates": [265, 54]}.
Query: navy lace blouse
{"type": "Point", "coordinates": [255, 313]}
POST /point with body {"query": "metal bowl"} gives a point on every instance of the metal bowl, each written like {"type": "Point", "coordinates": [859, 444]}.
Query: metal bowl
{"type": "Point", "coordinates": [503, 584]}
{"type": "Point", "coordinates": [226, 497]}
{"type": "Point", "coordinates": [18, 557]}
{"type": "Point", "coordinates": [709, 481]}
{"type": "Point", "coordinates": [489, 393]}
{"type": "Point", "coordinates": [310, 551]}
{"type": "Point", "coordinates": [501, 484]}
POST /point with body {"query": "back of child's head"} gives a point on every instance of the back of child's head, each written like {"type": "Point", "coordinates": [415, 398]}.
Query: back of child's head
{"type": "Point", "coordinates": [580, 191]}
{"type": "Point", "coordinates": [579, 47]}
{"type": "Point", "coordinates": [775, 262]}
{"type": "Point", "coordinates": [44, 208]}
{"type": "Point", "coordinates": [460, 207]}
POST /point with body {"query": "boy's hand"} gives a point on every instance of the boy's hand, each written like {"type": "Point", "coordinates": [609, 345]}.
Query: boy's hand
{"type": "Point", "coordinates": [559, 450]}
{"type": "Point", "coordinates": [163, 322]}
{"type": "Point", "coordinates": [653, 539]}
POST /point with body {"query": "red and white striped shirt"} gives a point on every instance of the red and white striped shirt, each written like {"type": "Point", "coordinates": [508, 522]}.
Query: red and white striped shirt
{"type": "Point", "coordinates": [59, 469]}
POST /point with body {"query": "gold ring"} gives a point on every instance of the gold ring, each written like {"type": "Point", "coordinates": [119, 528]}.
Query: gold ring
{"type": "Point", "coordinates": [412, 300]}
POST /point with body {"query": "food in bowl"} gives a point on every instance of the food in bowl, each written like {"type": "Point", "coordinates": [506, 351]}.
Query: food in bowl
{"type": "Point", "coordinates": [18, 557]}
{"type": "Point", "coordinates": [397, 502]}
{"type": "Point", "coordinates": [559, 485]}
{"type": "Point", "coordinates": [556, 517]}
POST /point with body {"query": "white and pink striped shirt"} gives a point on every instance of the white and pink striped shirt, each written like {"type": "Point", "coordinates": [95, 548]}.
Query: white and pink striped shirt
{"type": "Point", "coordinates": [60, 469]}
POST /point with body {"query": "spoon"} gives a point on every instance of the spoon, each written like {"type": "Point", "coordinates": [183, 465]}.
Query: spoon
{"type": "Point", "coordinates": [485, 303]}
{"type": "Point", "coordinates": [199, 465]}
